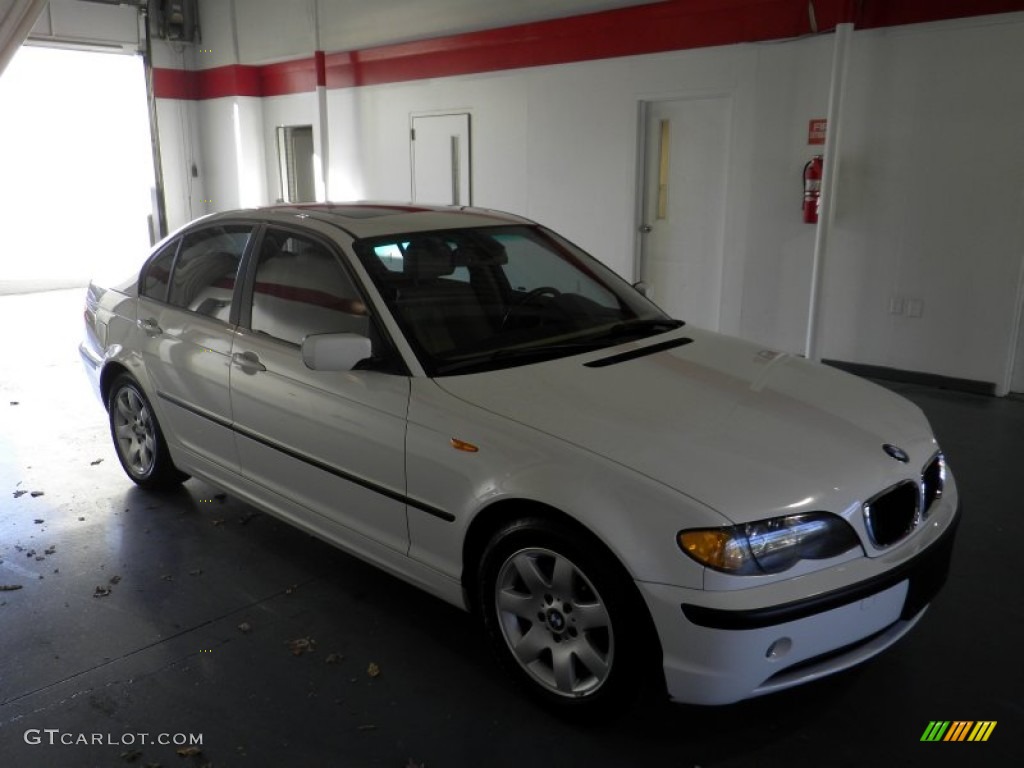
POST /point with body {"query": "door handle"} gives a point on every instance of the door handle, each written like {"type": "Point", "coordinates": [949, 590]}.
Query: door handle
{"type": "Point", "coordinates": [150, 327]}
{"type": "Point", "coordinates": [646, 229]}
{"type": "Point", "coordinates": [248, 362]}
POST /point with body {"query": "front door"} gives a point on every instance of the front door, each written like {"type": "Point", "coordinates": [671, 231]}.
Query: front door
{"type": "Point", "coordinates": [332, 443]}
{"type": "Point", "coordinates": [685, 171]}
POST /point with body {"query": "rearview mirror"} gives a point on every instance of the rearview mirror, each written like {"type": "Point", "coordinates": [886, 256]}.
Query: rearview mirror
{"type": "Point", "coordinates": [335, 351]}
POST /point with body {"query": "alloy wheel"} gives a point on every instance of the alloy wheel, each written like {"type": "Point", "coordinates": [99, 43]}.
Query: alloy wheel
{"type": "Point", "coordinates": [554, 622]}
{"type": "Point", "coordinates": [135, 431]}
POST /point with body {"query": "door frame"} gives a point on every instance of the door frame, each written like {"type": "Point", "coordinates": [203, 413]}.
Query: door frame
{"type": "Point", "coordinates": [454, 112]}
{"type": "Point", "coordinates": [644, 101]}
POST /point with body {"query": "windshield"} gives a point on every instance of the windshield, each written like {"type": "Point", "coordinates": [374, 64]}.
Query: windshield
{"type": "Point", "coordinates": [471, 300]}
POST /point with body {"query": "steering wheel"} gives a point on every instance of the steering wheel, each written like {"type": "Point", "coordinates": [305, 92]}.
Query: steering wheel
{"type": "Point", "coordinates": [526, 298]}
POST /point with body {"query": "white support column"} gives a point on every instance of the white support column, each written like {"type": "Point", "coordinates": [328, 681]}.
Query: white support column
{"type": "Point", "coordinates": [828, 184]}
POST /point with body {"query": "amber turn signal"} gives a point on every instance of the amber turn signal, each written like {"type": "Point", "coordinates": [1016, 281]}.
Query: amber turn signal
{"type": "Point", "coordinates": [707, 547]}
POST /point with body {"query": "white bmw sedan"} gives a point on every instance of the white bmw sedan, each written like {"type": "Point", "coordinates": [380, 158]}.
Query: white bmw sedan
{"type": "Point", "coordinates": [469, 401]}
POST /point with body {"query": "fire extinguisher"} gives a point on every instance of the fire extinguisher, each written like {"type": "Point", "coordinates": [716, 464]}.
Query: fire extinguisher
{"type": "Point", "coordinates": [812, 188]}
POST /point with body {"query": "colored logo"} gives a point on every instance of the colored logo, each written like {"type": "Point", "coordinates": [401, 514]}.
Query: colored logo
{"type": "Point", "coordinates": [958, 730]}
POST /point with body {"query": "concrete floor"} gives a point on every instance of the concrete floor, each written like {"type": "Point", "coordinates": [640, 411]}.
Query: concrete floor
{"type": "Point", "coordinates": [207, 600]}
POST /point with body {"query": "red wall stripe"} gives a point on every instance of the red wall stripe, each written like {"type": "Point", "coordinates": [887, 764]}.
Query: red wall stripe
{"type": "Point", "coordinates": [287, 77]}
{"type": "Point", "coordinates": [665, 26]}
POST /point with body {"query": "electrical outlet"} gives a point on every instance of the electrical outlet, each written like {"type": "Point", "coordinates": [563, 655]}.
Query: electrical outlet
{"type": "Point", "coordinates": [895, 305]}
{"type": "Point", "coordinates": [915, 307]}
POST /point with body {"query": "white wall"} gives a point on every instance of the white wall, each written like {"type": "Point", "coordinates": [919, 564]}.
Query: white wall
{"type": "Point", "coordinates": [930, 202]}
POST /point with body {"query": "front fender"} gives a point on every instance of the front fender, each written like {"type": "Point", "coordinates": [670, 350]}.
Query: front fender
{"type": "Point", "coordinates": [636, 517]}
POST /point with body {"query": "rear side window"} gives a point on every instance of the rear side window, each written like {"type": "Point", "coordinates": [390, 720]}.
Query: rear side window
{"type": "Point", "coordinates": [206, 270]}
{"type": "Point", "coordinates": [158, 273]}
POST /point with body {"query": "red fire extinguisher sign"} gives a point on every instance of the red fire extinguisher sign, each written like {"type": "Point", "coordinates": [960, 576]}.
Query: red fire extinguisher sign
{"type": "Point", "coordinates": [816, 131]}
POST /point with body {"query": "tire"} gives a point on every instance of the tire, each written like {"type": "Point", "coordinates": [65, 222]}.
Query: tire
{"type": "Point", "coordinates": [138, 439]}
{"type": "Point", "coordinates": [564, 619]}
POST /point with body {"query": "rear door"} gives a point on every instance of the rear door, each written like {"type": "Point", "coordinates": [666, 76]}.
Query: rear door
{"type": "Point", "coordinates": [331, 442]}
{"type": "Point", "coordinates": [185, 315]}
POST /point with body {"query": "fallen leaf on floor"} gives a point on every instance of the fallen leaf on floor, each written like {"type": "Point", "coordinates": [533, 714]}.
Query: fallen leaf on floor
{"type": "Point", "coordinates": [333, 658]}
{"type": "Point", "coordinates": [37, 494]}
{"type": "Point", "coordinates": [39, 521]}
{"type": "Point", "coordinates": [30, 553]}
{"type": "Point", "coordinates": [115, 579]}
{"type": "Point", "coordinates": [189, 751]}
{"type": "Point", "coordinates": [19, 494]}
{"type": "Point", "coordinates": [94, 463]}
{"type": "Point", "coordinates": [9, 587]}
{"type": "Point", "coordinates": [101, 591]}
{"type": "Point", "coordinates": [81, 519]}
{"type": "Point", "coordinates": [245, 626]}
{"type": "Point", "coordinates": [14, 402]}
{"type": "Point", "coordinates": [373, 670]}
{"type": "Point", "coordinates": [50, 549]}
{"type": "Point", "coordinates": [302, 645]}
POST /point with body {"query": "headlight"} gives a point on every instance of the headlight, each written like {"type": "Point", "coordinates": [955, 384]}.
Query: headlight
{"type": "Point", "coordinates": [769, 546]}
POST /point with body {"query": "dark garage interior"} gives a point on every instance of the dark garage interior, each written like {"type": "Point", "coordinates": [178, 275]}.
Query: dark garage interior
{"type": "Point", "coordinates": [666, 139]}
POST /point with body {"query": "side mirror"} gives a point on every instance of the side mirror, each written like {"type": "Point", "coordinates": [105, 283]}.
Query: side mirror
{"type": "Point", "coordinates": [335, 351]}
{"type": "Point", "coordinates": [641, 288]}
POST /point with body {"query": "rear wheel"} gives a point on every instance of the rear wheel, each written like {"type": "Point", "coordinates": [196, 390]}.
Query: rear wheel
{"type": "Point", "coordinates": [564, 618]}
{"type": "Point", "coordinates": [138, 440]}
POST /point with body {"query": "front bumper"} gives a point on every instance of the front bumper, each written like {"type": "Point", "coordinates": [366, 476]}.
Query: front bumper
{"type": "Point", "coordinates": [714, 655]}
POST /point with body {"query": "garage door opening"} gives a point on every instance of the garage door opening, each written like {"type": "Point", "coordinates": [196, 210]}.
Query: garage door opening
{"type": "Point", "coordinates": [76, 167]}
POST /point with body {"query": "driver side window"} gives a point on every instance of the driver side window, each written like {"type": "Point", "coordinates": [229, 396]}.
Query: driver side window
{"type": "Point", "coordinates": [302, 289]}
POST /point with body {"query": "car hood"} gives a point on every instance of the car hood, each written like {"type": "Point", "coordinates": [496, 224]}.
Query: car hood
{"type": "Point", "coordinates": [750, 432]}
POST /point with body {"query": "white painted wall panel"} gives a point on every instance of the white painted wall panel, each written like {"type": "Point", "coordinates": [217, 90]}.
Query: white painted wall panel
{"type": "Point", "coordinates": [931, 200]}
{"type": "Point", "coordinates": [233, 145]}
{"type": "Point", "coordinates": [930, 203]}
{"type": "Point", "coordinates": [179, 148]}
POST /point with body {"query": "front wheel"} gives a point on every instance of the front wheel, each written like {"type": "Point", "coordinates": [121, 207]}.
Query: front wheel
{"type": "Point", "coordinates": [564, 618]}
{"type": "Point", "coordinates": [138, 440]}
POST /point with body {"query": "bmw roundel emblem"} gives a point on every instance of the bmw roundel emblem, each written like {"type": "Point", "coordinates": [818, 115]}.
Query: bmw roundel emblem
{"type": "Point", "coordinates": [896, 452]}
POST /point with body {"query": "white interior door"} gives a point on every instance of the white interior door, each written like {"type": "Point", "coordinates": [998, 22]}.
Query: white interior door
{"type": "Point", "coordinates": [685, 171]}
{"type": "Point", "coordinates": [441, 159]}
